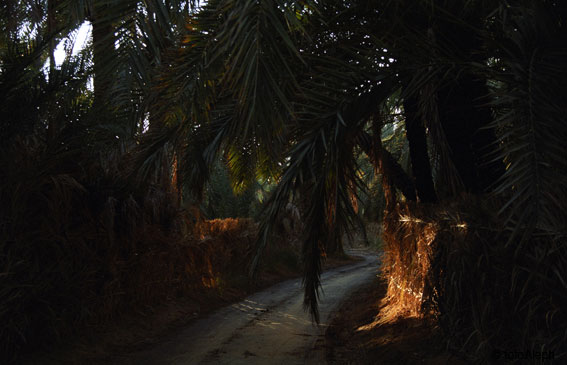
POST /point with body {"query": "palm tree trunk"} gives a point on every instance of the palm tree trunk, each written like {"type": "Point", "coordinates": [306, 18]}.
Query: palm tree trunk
{"type": "Point", "coordinates": [51, 29]}
{"type": "Point", "coordinates": [470, 139]}
{"type": "Point", "coordinates": [464, 119]}
{"type": "Point", "coordinates": [393, 175]}
{"type": "Point", "coordinates": [103, 52]}
{"type": "Point", "coordinates": [421, 167]}
{"type": "Point", "coordinates": [51, 25]}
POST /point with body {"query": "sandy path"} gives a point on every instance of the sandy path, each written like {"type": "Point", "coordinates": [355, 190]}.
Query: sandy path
{"type": "Point", "coordinates": [268, 327]}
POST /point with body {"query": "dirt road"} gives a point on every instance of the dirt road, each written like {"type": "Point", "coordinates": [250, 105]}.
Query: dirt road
{"type": "Point", "coordinates": [269, 327]}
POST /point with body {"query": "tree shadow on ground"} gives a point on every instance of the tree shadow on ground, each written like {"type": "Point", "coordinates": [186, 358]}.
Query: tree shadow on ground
{"type": "Point", "coordinates": [360, 333]}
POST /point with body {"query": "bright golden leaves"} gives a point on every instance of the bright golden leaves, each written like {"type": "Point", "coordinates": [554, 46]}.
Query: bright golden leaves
{"type": "Point", "coordinates": [411, 235]}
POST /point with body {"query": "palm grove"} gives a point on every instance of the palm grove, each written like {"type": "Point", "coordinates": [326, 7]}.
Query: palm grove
{"type": "Point", "coordinates": [299, 93]}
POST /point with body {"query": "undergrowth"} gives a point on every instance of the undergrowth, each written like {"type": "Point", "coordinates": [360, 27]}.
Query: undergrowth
{"type": "Point", "coordinates": [488, 294]}
{"type": "Point", "coordinates": [79, 249]}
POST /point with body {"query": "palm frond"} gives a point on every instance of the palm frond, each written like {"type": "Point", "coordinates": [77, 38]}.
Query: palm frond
{"type": "Point", "coordinates": [529, 96]}
{"type": "Point", "coordinates": [323, 164]}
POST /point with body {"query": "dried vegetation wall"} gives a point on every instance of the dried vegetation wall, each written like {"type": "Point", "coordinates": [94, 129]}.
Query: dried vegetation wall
{"type": "Point", "coordinates": [78, 250]}
{"type": "Point", "coordinates": [489, 294]}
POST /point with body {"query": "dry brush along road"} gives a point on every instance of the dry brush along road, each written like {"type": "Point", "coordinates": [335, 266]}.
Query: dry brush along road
{"type": "Point", "coordinates": [268, 327]}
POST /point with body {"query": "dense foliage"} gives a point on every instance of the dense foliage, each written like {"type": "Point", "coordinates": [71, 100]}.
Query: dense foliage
{"type": "Point", "coordinates": [169, 100]}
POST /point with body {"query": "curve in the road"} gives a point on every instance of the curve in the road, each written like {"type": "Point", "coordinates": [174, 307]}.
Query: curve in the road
{"type": "Point", "coordinates": [268, 327]}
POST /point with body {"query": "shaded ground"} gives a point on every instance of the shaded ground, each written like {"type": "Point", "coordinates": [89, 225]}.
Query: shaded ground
{"type": "Point", "coordinates": [268, 327]}
{"type": "Point", "coordinates": [135, 332]}
{"type": "Point", "coordinates": [359, 333]}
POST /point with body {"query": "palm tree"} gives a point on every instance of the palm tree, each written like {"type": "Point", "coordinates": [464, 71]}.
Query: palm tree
{"type": "Point", "coordinates": [60, 164]}
{"type": "Point", "coordinates": [298, 91]}
{"type": "Point", "coordinates": [307, 85]}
